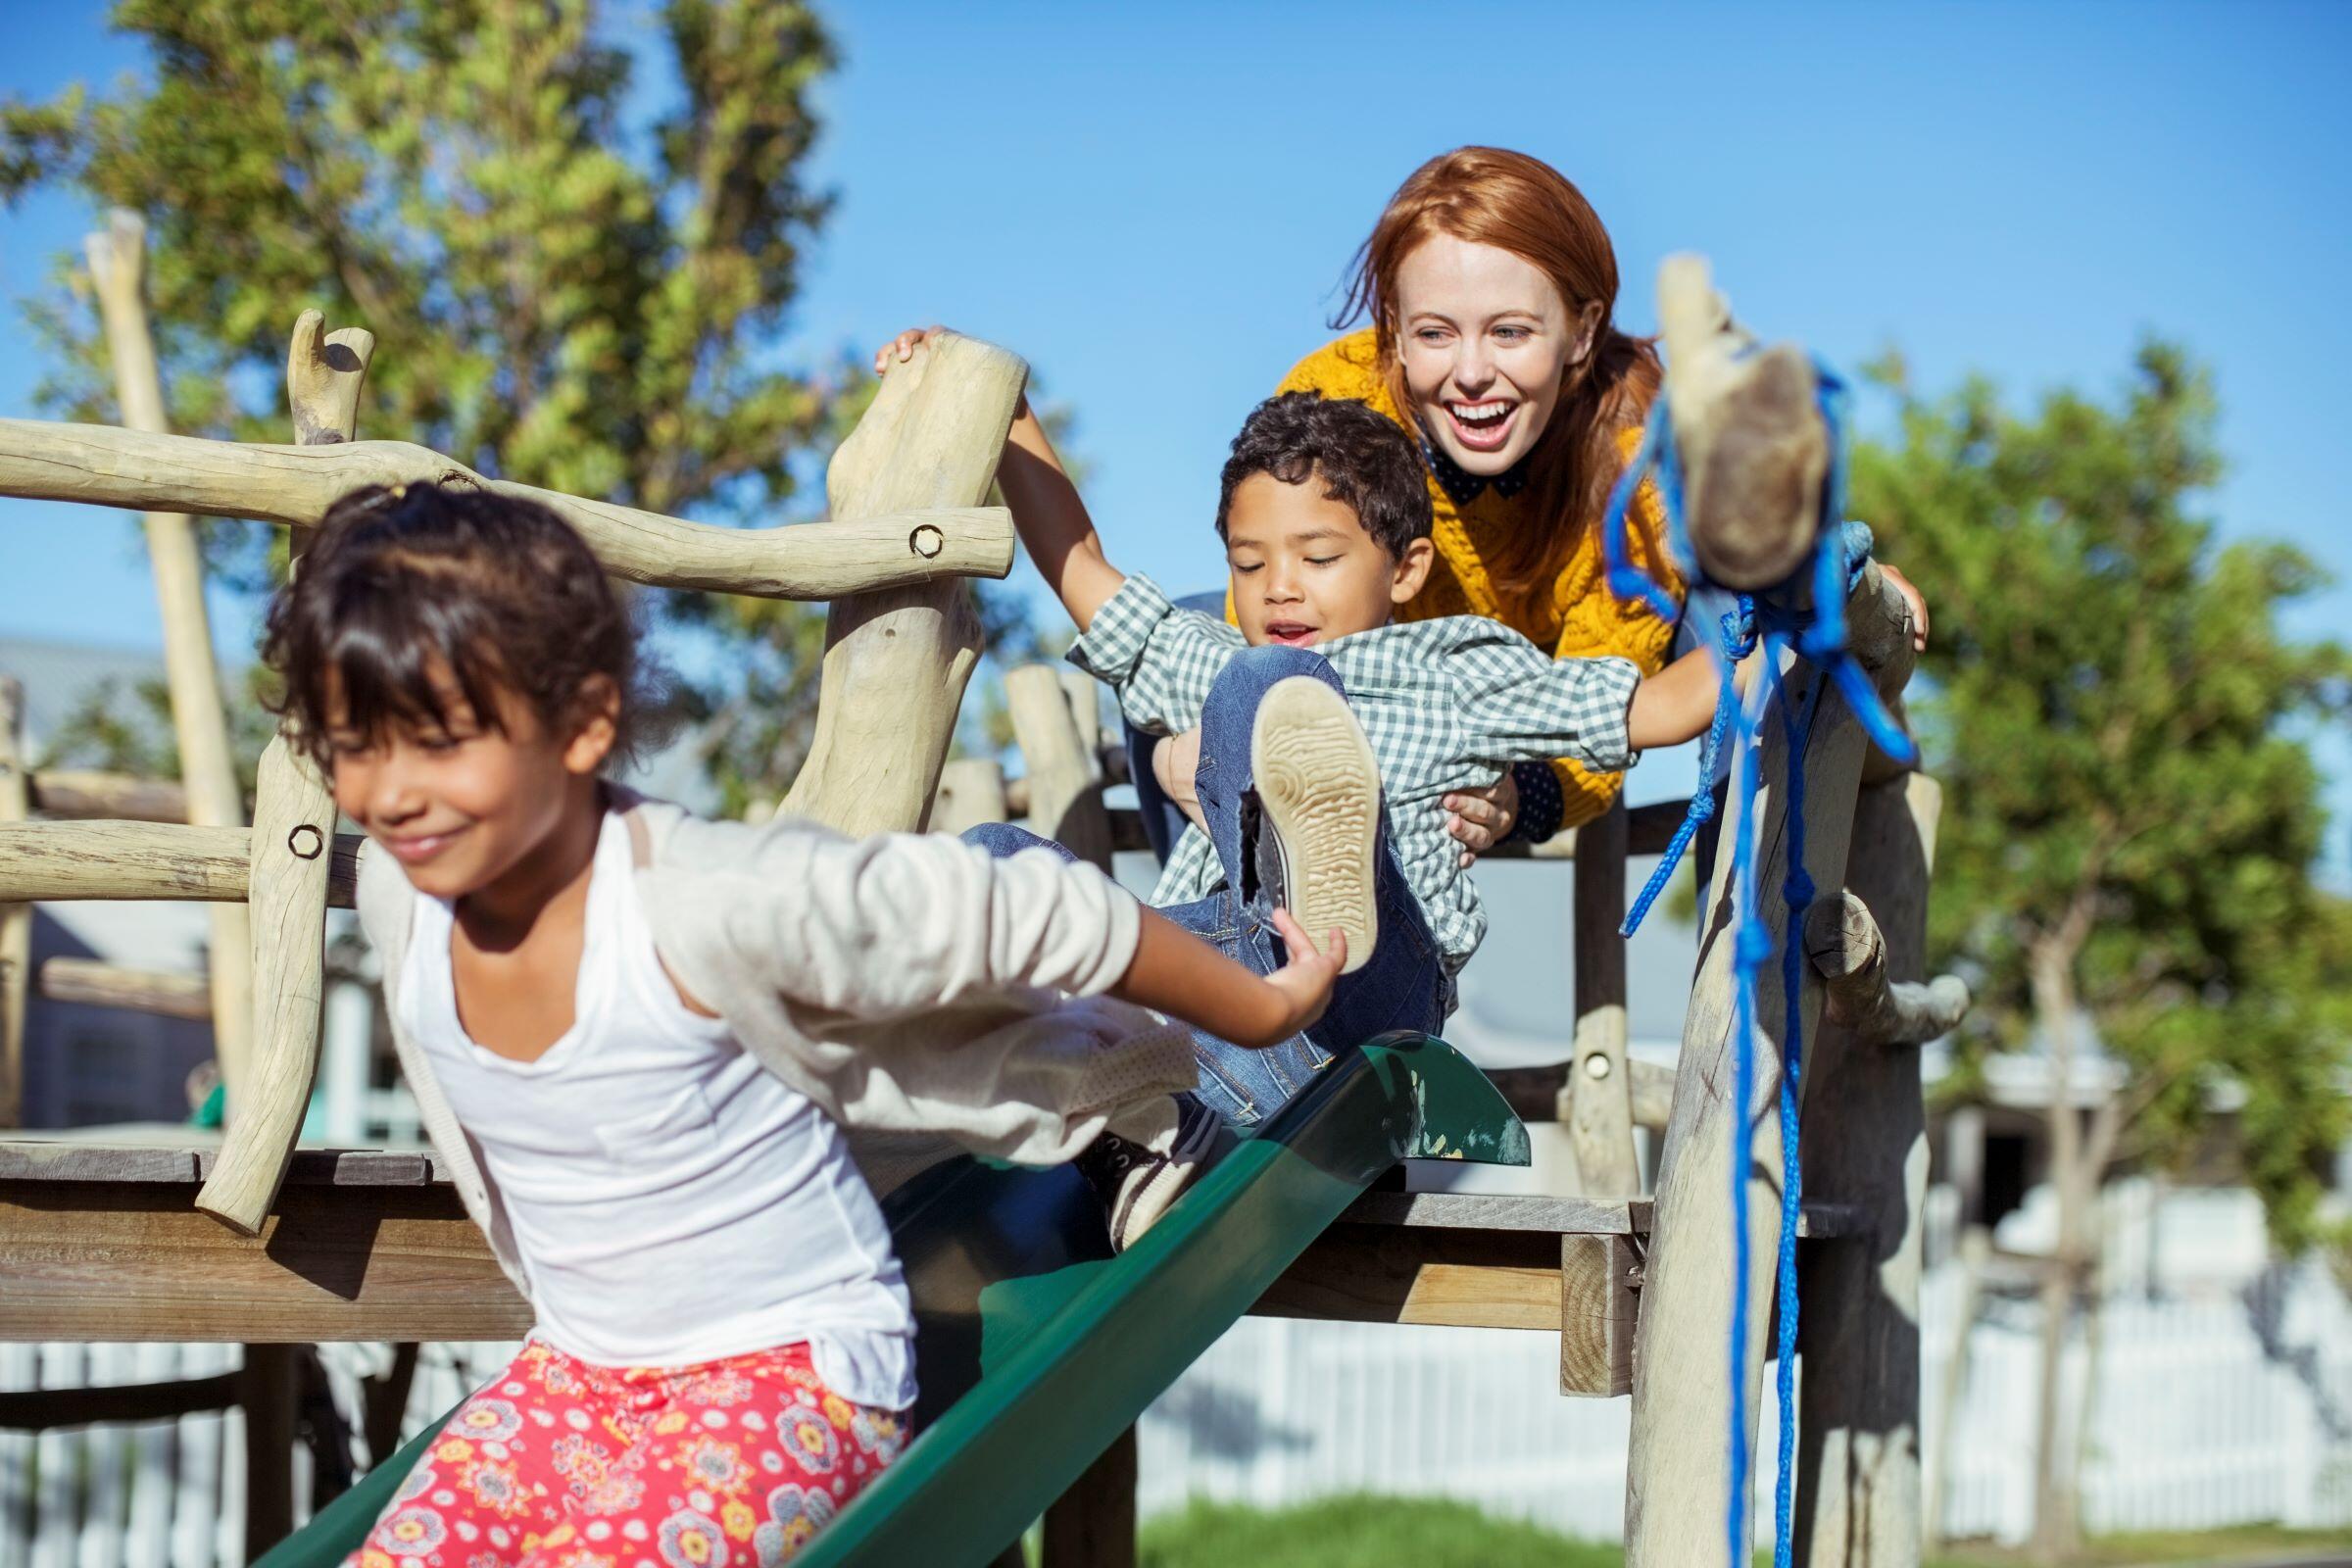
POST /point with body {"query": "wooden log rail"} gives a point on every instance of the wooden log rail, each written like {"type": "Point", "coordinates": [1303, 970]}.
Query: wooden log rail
{"type": "Point", "coordinates": [901, 546]}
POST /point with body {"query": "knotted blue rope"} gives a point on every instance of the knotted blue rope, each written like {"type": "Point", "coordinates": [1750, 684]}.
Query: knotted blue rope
{"type": "Point", "coordinates": [1817, 632]}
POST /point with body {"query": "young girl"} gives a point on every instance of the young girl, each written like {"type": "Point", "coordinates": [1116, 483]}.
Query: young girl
{"type": "Point", "coordinates": [636, 1039]}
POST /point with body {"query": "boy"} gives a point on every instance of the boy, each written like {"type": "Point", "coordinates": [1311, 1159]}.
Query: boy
{"type": "Point", "coordinates": [1298, 718]}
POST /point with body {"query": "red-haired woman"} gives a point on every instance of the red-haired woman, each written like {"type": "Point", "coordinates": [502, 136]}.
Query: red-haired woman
{"type": "Point", "coordinates": [1491, 286]}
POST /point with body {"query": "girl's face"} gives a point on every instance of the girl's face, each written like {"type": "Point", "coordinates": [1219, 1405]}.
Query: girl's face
{"type": "Point", "coordinates": [1486, 343]}
{"type": "Point", "coordinates": [463, 808]}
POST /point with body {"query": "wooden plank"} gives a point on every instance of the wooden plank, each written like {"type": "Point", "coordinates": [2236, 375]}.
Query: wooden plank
{"type": "Point", "coordinates": [81, 860]}
{"type": "Point", "coordinates": [40, 1411]}
{"type": "Point", "coordinates": [69, 794]}
{"type": "Point", "coordinates": [137, 1261]}
{"type": "Point", "coordinates": [87, 982]}
{"type": "Point", "coordinates": [1386, 1274]}
{"type": "Point", "coordinates": [1534, 1092]}
{"type": "Point", "coordinates": [1679, 1467]}
{"type": "Point", "coordinates": [117, 260]}
{"type": "Point", "coordinates": [1858, 1484]}
{"type": "Point", "coordinates": [267, 1388]}
{"type": "Point", "coordinates": [1093, 1524]}
{"type": "Point", "coordinates": [1648, 829]}
{"type": "Point", "coordinates": [896, 661]}
{"type": "Point", "coordinates": [1598, 1099]}
{"type": "Point", "coordinates": [16, 918]}
{"type": "Point", "coordinates": [1065, 794]}
{"type": "Point", "coordinates": [293, 822]}
{"type": "Point", "coordinates": [1601, 1278]}
{"type": "Point", "coordinates": [55, 1158]}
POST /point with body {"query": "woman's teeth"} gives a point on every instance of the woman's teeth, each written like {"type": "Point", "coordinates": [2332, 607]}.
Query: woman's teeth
{"type": "Point", "coordinates": [1488, 413]}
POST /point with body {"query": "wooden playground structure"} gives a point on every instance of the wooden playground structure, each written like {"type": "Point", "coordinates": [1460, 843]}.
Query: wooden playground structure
{"type": "Point", "coordinates": [247, 1238]}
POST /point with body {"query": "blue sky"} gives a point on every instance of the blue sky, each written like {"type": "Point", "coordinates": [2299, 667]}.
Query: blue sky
{"type": "Point", "coordinates": [1154, 204]}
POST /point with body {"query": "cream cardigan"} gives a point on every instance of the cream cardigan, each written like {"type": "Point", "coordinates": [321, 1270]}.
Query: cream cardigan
{"type": "Point", "coordinates": [919, 992]}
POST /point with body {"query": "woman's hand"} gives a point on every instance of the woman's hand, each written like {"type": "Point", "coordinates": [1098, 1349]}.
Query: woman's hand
{"type": "Point", "coordinates": [1483, 818]}
{"type": "Point", "coordinates": [1916, 600]}
{"type": "Point", "coordinates": [1303, 986]}
{"type": "Point", "coordinates": [899, 350]}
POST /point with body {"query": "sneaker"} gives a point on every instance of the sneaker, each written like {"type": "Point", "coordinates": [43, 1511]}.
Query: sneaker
{"type": "Point", "coordinates": [1319, 790]}
{"type": "Point", "coordinates": [1136, 1184]}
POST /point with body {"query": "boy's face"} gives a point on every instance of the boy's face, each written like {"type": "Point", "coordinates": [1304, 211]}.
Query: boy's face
{"type": "Point", "coordinates": [462, 807]}
{"type": "Point", "coordinates": [1303, 569]}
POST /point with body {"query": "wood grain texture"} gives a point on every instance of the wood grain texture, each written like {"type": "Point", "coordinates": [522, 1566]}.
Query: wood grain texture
{"type": "Point", "coordinates": [1093, 1524]}
{"type": "Point", "coordinates": [1850, 955]}
{"type": "Point", "coordinates": [1381, 1274]}
{"type": "Point", "coordinates": [91, 983]}
{"type": "Point", "coordinates": [896, 661]}
{"type": "Point", "coordinates": [891, 548]}
{"type": "Point", "coordinates": [72, 794]}
{"type": "Point", "coordinates": [1064, 772]}
{"type": "Point", "coordinates": [1598, 1099]}
{"type": "Point", "coordinates": [69, 861]}
{"type": "Point", "coordinates": [1858, 1482]}
{"type": "Point", "coordinates": [1601, 1278]}
{"type": "Point", "coordinates": [199, 721]}
{"type": "Point", "coordinates": [971, 791]}
{"type": "Point", "coordinates": [1678, 1470]}
{"type": "Point", "coordinates": [15, 917]}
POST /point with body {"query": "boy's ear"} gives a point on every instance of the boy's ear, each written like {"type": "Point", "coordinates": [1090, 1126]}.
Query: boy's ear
{"type": "Point", "coordinates": [598, 726]}
{"type": "Point", "coordinates": [1412, 570]}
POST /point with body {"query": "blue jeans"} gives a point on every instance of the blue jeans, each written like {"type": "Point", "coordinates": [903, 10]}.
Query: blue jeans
{"type": "Point", "coordinates": [1402, 987]}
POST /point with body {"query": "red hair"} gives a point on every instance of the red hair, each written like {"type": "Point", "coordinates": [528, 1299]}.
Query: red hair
{"type": "Point", "coordinates": [1488, 196]}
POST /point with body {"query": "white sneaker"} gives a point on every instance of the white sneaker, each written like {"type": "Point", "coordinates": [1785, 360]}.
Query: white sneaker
{"type": "Point", "coordinates": [1320, 789]}
{"type": "Point", "coordinates": [1138, 1181]}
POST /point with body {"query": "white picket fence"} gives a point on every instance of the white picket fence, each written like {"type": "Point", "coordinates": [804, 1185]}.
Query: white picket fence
{"type": "Point", "coordinates": [2208, 1414]}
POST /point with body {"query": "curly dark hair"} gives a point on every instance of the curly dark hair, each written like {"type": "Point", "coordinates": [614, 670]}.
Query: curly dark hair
{"type": "Point", "coordinates": [500, 591]}
{"type": "Point", "coordinates": [1364, 460]}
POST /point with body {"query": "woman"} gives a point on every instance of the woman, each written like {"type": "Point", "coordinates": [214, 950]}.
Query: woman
{"type": "Point", "coordinates": [1491, 286]}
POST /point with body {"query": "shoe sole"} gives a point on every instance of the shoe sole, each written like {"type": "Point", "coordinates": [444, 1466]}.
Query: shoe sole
{"type": "Point", "coordinates": [1321, 787]}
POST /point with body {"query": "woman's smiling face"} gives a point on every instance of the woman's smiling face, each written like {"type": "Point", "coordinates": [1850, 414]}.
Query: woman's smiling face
{"type": "Point", "coordinates": [1486, 343]}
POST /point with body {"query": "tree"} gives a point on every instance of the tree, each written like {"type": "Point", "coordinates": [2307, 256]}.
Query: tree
{"type": "Point", "coordinates": [2131, 812]}
{"type": "Point", "coordinates": [577, 276]}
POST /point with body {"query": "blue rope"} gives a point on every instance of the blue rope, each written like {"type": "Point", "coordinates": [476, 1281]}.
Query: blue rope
{"type": "Point", "coordinates": [1817, 632]}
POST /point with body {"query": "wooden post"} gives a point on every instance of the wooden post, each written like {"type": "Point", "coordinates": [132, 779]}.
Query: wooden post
{"type": "Point", "coordinates": [1850, 955]}
{"type": "Point", "coordinates": [1866, 1144]}
{"type": "Point", "coordinates": [1678, 1479]}
{"type": "Point", "coordinates": [1976, 1250]}
{"type": "Point", "coordinates": [117, 267]}
{"type": "Point", "coordinates": [896, 661]}
{"type": "Point", "coordinates": [266, 1389]}
{"type": "Point", "coordinates": [294, 825]}
{"type": "Point", "coordinates": [1093, 1524]}
{"type": "Point", "coordinates": [1066, 792]}
{"type": "Point", "coordinates": [971, 791]}
{"type": "Point", "coordinates": [16, 919]}
{"type": "Point", "coordinates": [1599, 1093]}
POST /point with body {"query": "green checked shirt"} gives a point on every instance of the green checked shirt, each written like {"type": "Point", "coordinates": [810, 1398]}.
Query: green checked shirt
{"type": "Point", "coordinates": [1447, 704]}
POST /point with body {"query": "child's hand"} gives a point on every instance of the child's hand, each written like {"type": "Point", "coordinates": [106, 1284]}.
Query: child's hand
{"type": "Point", "coordinates": [899, 350]}
{"type": "Point", "coordinates": [1304, 984]}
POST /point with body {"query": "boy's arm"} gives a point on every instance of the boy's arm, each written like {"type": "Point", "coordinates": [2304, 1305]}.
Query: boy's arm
{"type": "Point", "coordinates": [1051, 521]}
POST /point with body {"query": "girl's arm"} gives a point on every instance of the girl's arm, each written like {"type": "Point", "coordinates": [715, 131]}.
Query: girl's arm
{"type": "Point", "coordinates": [1050, 519]}
{"type": "Point", "coordinates": [1177, 973]}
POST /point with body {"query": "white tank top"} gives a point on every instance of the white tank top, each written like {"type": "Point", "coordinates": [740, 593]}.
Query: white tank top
{"type": "Point", "coordinates": [671, 1201]}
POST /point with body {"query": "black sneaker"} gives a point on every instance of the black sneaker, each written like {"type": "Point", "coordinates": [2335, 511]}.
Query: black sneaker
{"type": "Point", "coordinates": [1136, 1184]}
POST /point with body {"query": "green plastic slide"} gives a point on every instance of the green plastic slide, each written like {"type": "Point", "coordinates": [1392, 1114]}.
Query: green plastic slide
{"type": "Point", "coordinates": [1037, 1348]}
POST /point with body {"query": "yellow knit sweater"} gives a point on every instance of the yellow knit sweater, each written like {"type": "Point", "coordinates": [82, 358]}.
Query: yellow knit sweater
{"type": "Point", "coordinates": [1580, 619]}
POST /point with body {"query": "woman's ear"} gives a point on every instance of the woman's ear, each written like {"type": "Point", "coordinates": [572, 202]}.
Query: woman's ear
{"type": "Point", "coordinates": [1413, 564]}
{"type": "Point", "coordinates": [597, 728]}
{"type": "Point", "coordinates": [1588, 326]}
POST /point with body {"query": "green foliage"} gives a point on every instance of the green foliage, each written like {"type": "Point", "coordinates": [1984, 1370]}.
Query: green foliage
{"type": "Point", "coordinates": [2130, 808]}
{"type": "Point", "coordinates": [1360, 1532]}
{"type": "Point", "coordinates": [576, 277]}
{"type": "Point", "coordinates": [114, 731]}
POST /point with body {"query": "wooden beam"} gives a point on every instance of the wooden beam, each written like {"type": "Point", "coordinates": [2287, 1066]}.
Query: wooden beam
{"type": "Point", "coordinates": [1850, 957]}
{"type": "Point", "coordinates": [199, 721]}
{"type": "Point", "coordinates": [293, 823]}
{"type": "Point", "coordinates": [46, 1409]}
{"type": "Point", "coordinates": [1648, 829]}
{"type": "Point", "coordinates": [268, 1390]}
{"type": "Point", "coordinates": [1093, 1524]}
{"type": "Point", "coordinates": [15, 917]}
{"type": "Point", "coordinates": [1679, 1468]}
{"type": "Point", "coordinates": [1866, 1143]}
{"type": "Point", "coordinates": [1601, 1278]}
{"type": "Point", "coordinates": [1597, 1102]}
{"type": "Point", "coordinates": [88, 982]}
{"type": "Point", "coordinates": [81, 860]}
{"type": "Point", "coordinates": [893, 548]}
{"type": "Point", "coordinates": [1753, 446]}
{"type": "Point", "coordinates": [971, 791]}
{"type": "Point", "coordinates": [67, 794]}
{"type": "Point", "coordinates": [896, 661]}
{"type": "Point", "coordinates": [1065, 793]}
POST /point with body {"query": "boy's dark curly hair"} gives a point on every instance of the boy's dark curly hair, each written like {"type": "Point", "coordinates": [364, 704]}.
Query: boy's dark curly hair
{"type": "Point", "coordinates": [404, 583]}
{"type": "Point", "coordinates": [1364, 460]}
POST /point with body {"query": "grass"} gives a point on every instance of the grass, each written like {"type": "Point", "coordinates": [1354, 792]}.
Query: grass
{"type": "Point", "coordinates": [1371, 1532]}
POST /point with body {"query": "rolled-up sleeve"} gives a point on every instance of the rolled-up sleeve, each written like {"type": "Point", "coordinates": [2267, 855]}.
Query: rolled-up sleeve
{"type": "Point", "coordinates": [1160, 660]}
{"type": "Point", "coordinates": [1515, 704]}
